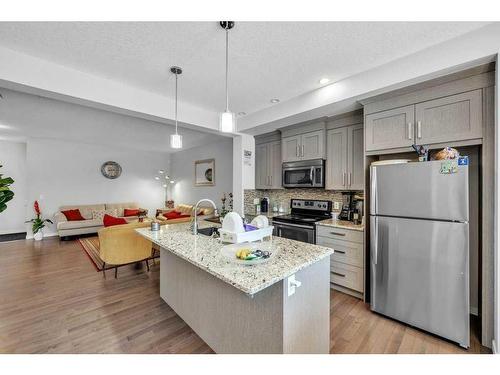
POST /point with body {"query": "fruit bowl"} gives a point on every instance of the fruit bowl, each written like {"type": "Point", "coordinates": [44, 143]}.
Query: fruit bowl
{"type": "Point", "coordinates": [231, 252]}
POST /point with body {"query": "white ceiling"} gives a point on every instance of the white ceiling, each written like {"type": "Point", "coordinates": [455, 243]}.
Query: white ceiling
{"type": "Point", "coordinates": [267, 59]}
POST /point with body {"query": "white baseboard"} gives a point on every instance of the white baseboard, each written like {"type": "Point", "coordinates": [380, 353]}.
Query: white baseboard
{"type": "Point", "coordinates": [494, 348]}
{"type": "Point", "coordinates": [12, 231]}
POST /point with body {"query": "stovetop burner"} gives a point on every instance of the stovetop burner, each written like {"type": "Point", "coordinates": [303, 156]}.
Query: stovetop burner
{"type": "Point", "coordinates": [306, 212]}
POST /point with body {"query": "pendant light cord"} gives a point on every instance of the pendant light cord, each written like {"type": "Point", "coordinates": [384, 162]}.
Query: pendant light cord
{"type": "Point", "coordinates": [227, 68]}
{"type": "Point", "coordinates": [176, 75]}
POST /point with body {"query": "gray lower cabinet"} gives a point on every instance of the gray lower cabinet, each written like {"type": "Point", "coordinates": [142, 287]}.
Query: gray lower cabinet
{"type": "Point", "coordinates": [346, 264]}
{"type": "Point", "coordinates": [268, 165]}
{"type": "Point", "coordinates": [344, 160]}
{"type": "Point", "coordinates": [305, 146]}
{"type": "Point", "coordinates": [452, 118]}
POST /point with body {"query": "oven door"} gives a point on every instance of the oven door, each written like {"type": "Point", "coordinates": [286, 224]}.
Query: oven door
{"type": "Point", "coordinates": [303, 233]}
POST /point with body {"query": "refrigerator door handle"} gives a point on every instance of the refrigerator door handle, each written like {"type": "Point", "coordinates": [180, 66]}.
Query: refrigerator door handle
{"type": "Point", "coordinates": [373, 191]}
{"type": "Point", "coordinates": [374, 240]}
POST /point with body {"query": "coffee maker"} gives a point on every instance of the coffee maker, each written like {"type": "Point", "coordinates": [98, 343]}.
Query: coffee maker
{"type": "Point", "coordinates": [352, 207]}
{"type": "Point", "coordinates": [264, 205]}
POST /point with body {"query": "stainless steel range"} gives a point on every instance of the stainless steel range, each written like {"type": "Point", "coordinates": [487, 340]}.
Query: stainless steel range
{"type": "Point", "coordinates": [300, 224]}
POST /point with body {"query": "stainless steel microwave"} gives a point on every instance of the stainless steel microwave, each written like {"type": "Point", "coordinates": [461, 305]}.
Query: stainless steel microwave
{"type": "Point", "coordinates": [306, 173]}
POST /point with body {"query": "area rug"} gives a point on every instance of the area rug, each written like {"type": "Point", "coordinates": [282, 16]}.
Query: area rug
{"type": "Point", "coordinates": [90, 246]}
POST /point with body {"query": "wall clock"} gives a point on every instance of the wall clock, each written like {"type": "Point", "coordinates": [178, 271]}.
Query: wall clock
{"type": "Point", "coordinates": [111, 170]}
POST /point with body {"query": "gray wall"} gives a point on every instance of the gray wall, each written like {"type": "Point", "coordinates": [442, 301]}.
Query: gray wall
{"type": "Point", "coordinates": [182, 170]}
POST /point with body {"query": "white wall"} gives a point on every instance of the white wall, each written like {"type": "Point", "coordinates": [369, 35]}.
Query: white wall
{"type": "Point", "coordinates": [243, 172]}
{"type": "Point", "coordinates": [182, 170]}
{"type": "Point", "coordinates": [13, 159]}
{"type": "Point", "coordinates": [65, 173]}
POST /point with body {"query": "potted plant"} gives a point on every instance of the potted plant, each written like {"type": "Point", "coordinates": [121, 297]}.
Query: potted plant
{"type": "Point", "coordinates": [5, 193]}
{"type": "Point", "coordinates": [38, 223]}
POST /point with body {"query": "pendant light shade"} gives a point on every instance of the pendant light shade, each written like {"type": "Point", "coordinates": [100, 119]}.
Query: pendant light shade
{"type": "Point", "coordinates": [227, 122]}
{"type": "Point", "coordinates": [176, 139]}
{"type": "Point", "coordinates": [227, 119]}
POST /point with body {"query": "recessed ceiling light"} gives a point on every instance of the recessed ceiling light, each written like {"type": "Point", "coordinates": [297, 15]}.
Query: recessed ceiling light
{"type": "Point", "coordinates": [157, 178]}
{"type": "Point", "coordinates": [322, 81]}
{"type": "Point", "coordinates": [161, 171]}
{"type": "Point", "coordinates": [275, 100]}
{"type": "Point", "coordinates": [242, 113]}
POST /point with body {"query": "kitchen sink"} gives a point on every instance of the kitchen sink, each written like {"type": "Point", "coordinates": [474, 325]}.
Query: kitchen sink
{"type": "Point", "coordinates": [208, 231]}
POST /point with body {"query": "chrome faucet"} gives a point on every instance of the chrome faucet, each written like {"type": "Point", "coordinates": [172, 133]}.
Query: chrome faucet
{"type": "Point", "coordinates": [195, 209]}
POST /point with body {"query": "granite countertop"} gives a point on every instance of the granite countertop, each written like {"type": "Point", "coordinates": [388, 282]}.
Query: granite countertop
{"type": "Point", "coordinates": [341, 224]}
{"type": "Point", "coordinates": [204, 252]}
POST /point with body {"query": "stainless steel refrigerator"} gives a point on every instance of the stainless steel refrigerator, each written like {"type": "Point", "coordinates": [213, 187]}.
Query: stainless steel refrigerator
{"type": "Point", "coordinates": [419, 243]}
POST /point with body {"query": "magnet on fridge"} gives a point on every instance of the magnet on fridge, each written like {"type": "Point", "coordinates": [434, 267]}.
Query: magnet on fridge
{"type": "Point", "coordinates": [463, 160]}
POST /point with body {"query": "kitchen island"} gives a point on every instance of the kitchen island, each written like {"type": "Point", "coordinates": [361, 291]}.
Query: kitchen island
{"type": "Point", "coordinates": [282, 306]}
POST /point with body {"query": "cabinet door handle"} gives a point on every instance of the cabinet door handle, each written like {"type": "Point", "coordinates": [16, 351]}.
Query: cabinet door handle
{"type": "Point", "coordinates": [271, 180]}
{"type": "Point", "coordinates": [349, 179]}
{"type": "Point", "coordinates": [338, 234]}
{"type": "Point", "coordinates": [419, 129]}
{"type": "Point", "coordinates": [410, 136]}
{"type": "Point", "coordinates": [297, 151]}
{"type": "Point", "coordinates": [338, 274]}
{"type": "Point", "coordinates": [340, 251]}
{"type": "Point", "coordinates": [343, 178]}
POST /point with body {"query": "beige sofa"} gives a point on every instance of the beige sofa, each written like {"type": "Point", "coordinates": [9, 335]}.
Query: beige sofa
{"type": "Point", "coordinates": [67, 228]}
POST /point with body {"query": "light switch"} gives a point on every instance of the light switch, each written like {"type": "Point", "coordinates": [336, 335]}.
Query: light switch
{"type": "Point", "coordinates": [293, 283]}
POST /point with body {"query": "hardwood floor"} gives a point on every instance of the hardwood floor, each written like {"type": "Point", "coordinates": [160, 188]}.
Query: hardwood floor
{"type": "Point", "coordinates": [53, 301]}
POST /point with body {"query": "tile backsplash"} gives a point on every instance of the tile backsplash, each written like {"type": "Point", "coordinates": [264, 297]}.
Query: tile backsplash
{"type": "Point", "coordinates": [283, 196]}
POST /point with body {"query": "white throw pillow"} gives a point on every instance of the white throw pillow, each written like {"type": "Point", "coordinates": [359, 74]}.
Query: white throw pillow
{"type": "Point", "coordinates": [99, 215]}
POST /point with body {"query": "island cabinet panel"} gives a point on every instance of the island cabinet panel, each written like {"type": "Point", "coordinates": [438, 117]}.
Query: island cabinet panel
{"type": "Point", "coordinates": [448, 119]}
{"type": "Point", "coordinates": [269, 321]}
{"type": "Point", "coordinates": [390, 129]}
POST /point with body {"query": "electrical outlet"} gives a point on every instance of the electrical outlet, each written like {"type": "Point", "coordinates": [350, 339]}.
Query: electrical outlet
{"type": "Point", "coordinates": [336, 205]}
{"type": "Point", "coordinates": [292, 285]}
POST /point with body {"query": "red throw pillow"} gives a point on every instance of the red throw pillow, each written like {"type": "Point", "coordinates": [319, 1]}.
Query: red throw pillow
{"type": "Point", "coordinates": [109, 220]}
{"type": "Point", "coordinates": [130, 212]}
{"type": "Point", "coordinates": [73, 215]}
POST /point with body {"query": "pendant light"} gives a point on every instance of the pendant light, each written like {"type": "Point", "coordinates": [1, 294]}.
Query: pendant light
{"type": "Point", "coordinates": [176, 139]}
{"type": "Point", "coordinates": [227, 119]}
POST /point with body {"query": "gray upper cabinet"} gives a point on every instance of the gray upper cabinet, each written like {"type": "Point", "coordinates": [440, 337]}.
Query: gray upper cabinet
{"type": "Point", "coordinates": [344, 162]}
{"type": "Point", "coordinates": [305, 146]}
{"type": "Point", "coordinates": [336, 159]}
{"type": "Point", "coordinates": [448, 119]}
{"type": "Point", "coordinates": [313, 145]}
{"type": "Point", "coordinates": [355, 158]}
{"type": "Point", "coordinates": [390, 129]}
{"type": "Point", "coordinates": [268, 165]}
{"type": "Point", "coordinates": [291, 148]}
